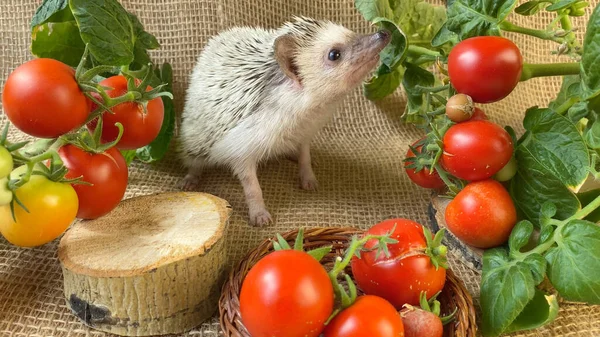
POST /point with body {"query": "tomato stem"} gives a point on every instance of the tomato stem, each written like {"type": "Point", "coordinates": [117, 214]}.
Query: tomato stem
{"type": "Point", "coordinates": [418, 51]}
{"type": "Point", "coordinates": [571, 39]}
{"type": "Point", "coordinates": [542, 34]}
{"type": "Point", "coordinates": [531, 70]}
{"type": "Point", "coordinates": [592, 206]}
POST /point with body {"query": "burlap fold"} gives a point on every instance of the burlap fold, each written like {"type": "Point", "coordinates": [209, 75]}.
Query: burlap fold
{"type": "Point", "coordinates": [358, 158]}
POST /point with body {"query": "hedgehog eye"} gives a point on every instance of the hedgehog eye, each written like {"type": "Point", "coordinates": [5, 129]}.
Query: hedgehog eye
{"type": "Point", "coordinates": [334, 55]}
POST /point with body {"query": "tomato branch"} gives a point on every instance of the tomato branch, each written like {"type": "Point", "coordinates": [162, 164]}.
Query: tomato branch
{"type": "Point", "coordinates": [542, 34]}
{"type": "Point", "coordinates": [418, 51]}
{"type": "Point", "coordinates": [531, 70]}
{"type": "Point", "coordinates": [565, 23]}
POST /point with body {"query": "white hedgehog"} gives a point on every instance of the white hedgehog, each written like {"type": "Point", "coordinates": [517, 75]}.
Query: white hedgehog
{"type": "Point", "coordinates": [256, 94]}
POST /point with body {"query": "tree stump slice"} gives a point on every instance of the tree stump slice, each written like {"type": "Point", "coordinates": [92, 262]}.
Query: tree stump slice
{"type": "Point", "coordinates": [153, 266]}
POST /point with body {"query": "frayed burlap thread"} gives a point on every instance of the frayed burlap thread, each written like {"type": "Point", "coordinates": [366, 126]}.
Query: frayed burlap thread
{"type": "Point", "coordinates": [358, 158]}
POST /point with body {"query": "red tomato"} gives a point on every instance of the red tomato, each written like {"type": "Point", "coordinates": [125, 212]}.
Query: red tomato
{"type": "Point", "coordinates": [482, 214]}
{"type": "Point", "coordinates": [476, 150]}
{"type": "Point", "coordinates": [42, 98]}
{"type": "Point", "coordinates": [370, 316]}
{"type": "Point", "coordinates": [286, 294]}
{"type": "Point", "coordinates": [479, 115]}
{"type": "Point", "coordinates": [107, 172]}
{"type": "Point", "coordinates": [487, 68]}
{"type": "Point", "coordinates": [139, 128]}
{"type": "Point", "coordinates": [422, 178]}
{"type": "Point", "coordinates": [402, 276]}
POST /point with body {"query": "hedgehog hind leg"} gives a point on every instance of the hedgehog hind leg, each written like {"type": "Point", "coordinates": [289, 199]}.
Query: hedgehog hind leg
{"type": "Point", "coordinates": [191, 181]}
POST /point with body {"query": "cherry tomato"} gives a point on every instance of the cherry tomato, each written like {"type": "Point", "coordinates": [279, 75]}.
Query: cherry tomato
{"type": "Point", "coordinates": [421, 323]}
{"type": "Point", "coordinates": [487, 68]}
{"type": "Point", "coordinates": [368, 316]}
{"type": "Point", "coordinates": [5, 193]}
{"type": "Point", "coordinates": [422, 178]}
{"type": "Point", "coordinates": [482, 214]}
{"type": "Point", "coordinates": [408, 270]}
{"type": "Point", "coordinates": [508, 171]}
{"type": "Point", "coordinates": [286, 294]}
{"type": "Point", "coordinates": [479, 115]}
{"type": "Point", "coordinates": [107, 172]}
{"type": "Point", "coordinates": [6, 162]}
{"type": "Point", "coordinates": [42, 98]}
{"type": "Point", "coordinates": [139, 128]}
{"type": "Point", "coordinates": [476, 150]}
{"type": "Point", "coordinates": [52, 208]}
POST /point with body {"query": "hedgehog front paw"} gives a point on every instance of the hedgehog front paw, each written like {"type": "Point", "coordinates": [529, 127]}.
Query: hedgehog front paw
{"type": "Point", "coordinates": [190, 182]}
{"type": "Point", "coordinates": [260, 218]}
{"type": "Point", "coordinates": [309, 182]}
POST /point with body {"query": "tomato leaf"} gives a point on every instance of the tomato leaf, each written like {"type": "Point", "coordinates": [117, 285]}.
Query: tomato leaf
{"type": "Point", "coordinates": [384, 83]}
{"type": "Point", "coordinates": [570, 89]}
{"type": "Point", "coordinates": [533, 185]}
{"type": "Point", "coordinates": [590, 62]}
{"type": "Point", "coordinates": [52, 11]}
{"type": "Point", "coordinates": [299, 242]}
{"type": "Point", "coordinates": [520, 235]}
{"type": "Point", "coordinates": [561, 5]}
{"type": "Point", "coordinates": [414, 78]}
{"type": "Point", "coordinates": [129, 156]}
{"type": "Point", "coordinates": [319, 253]}
{"type": "Point", "coordinates": [585, 198]}
{"type": "Point", "coordinates": [574, 263]}
{"type": "Point", "coordinates": [557, 145]}
{"type": "Point", "coordinates": [58, 40]}
{"type": "Point", "coordinates": [443, 36]}
{"type": "Point", "coordinates": [115, 37]}
{"type": "Point", "coordinates": [469, 18]}
{"type": "Point", "coordinates": [157, 149]}
{"type": "Point", "coordinates": [541, 310]}
{"type": "Point", "coordinates": [506, 289]}
{"type": "Point", "coordinates": [419, 20]}
{"type": "Point", "coordinates": [531, 7]}
{"type": "Point", "coordinates": [370, 9]}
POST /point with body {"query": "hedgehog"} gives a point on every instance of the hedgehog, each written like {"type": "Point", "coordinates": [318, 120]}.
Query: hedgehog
{"type": "Point", "coordinates": [256, 94]}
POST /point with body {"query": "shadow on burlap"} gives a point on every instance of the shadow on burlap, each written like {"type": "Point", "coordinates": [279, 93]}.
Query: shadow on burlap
{"type": "Point", "coordinates": [358, 157]}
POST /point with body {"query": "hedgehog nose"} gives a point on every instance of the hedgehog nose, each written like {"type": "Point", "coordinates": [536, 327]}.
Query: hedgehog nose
{"type": "Point", "coordinates": [383, 34]}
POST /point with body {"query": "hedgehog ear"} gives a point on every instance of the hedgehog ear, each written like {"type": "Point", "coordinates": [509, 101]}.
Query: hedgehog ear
{"type": "Point", "coordinates": [285, 49]}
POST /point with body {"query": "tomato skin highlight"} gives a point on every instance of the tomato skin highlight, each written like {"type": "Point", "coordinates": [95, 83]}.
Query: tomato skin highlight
{"type": "Point", "coordinates": [476, 150]}
{"type": "Point", "coordinates": [399, 278]}
{"type": "Point", "coordinates": [369, 316]}
{"type": "Point", "coordinates": [286, 294]}
{"type": "Point", "coordinates": [482, 214]}
{"type": "Point", "coordinates": [422, 178]}
{"type": "Point", "coordinates": [487, 68]}
{"type": "Point", "coordinates": [108, 174]}
{"type": "Point", "coordinates": [139, 128]}
{"type": "Point", "coordinates": [52, 208]}
{"type": "Point", "coordinates": [42, 98]}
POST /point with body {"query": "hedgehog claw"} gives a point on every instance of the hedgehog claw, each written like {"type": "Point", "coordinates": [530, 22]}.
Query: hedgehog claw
{"type": "Point", "coordinates": [260, 218]}
{"type": "Point", "coordinates": [190, 182]}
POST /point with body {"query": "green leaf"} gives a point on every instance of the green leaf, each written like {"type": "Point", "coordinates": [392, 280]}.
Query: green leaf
{"type": "Point", "coordinates": [144, 42]}
{"type": "Point", "coordinates": [469, 18]}
{"type": "Point", "coordinates": [578, 111]}
{"type": "Point", "coordinates": [52, 11]}
{"type": "Point", "coordinates": [590, 62]}
{"type": "Point", "coordinates": [531, 7]}
{"type": "Point", "coordinates": [395, 52]}
{"type": "Point", "coordinates": [157, 149]}
{"type": "Point", "coordinates": [520, 235]}
{"type": "Point", "coordinates": [506, 289]}
{"type": "Point", "coordinates": [413, 77]}
{"type": "Point", "coordinates": [443, 36]}
{"type": "Point", "coordinates": [574, 264]}
{"type": "Point", "coordinates": [384, 83]}
{"type": "Point", "coordinates": [370, 9]}
{"type": "Point", "coordinates": [533, 185]}
{"type": "Point", "coordinates": [541, 310]}
{"type": "Point", "coordinates": [129, 156]}
{"type": "Point", "coordinates": [282, 242]}
{"type": "Point", "coordinates": [592, 136]}
{"type": "Point", "coordinates": [419, 20]}
{"type": "Point", "coordinates": [557, 145]}
{"type": "Point", "coordinates": [585, 198]}
{"type": "Point", "coordinates": [319, 253]}
{"type": "Point", "coordinates": [58, 40]}
{"type": "Point", "coordinates": [299, 242]}
{"type": "Point", "coordinates": [561, 5]}
{"type": "Point", "coordinates": [570, 88]}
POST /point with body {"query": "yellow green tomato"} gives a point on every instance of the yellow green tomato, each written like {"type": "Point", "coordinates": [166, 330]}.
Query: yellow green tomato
{"type": "Point", "coordinates": [6, 162]}
{"type": "Point", "coordinates": [508, 171]}
{"type": "Point", "coordinates": [52, 208]}
{"type": "Point", "coordinates": [5, 193]}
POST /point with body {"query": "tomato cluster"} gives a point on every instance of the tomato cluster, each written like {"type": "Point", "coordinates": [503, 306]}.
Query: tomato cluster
{"type": "Point", "coordinates": [44, 98]}
{"type": "Point", "coordinates": [473, 151]}
{"type": "Point", "coordinates": [288, 293]}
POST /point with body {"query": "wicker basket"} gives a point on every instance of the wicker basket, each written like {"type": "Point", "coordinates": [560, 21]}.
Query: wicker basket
{"type": "Point", "coordinates": [454, 294]}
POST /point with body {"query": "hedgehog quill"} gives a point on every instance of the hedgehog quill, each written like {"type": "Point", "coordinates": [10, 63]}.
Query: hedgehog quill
{"type": "Point", "coordinates": [256, 94]}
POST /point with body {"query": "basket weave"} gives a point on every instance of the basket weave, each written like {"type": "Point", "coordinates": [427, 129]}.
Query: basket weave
{"type": "Point", "coordinates": [454, 295]}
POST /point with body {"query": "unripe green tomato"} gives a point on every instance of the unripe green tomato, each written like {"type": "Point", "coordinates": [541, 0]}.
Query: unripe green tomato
{"type": "Point", "coordinates": [5, 194]}
{"type": "Point", "coordinates": [508, 171]}
{"type": "Point", "coordinates": [6, 162]}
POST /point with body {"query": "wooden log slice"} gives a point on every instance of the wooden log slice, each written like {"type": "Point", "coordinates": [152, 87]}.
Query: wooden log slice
{"type": "Point", "coordinates": [153, 266]}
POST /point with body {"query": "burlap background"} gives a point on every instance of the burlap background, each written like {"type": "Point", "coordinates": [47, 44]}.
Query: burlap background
{"type": "Point", "coordinates": [358, 156]}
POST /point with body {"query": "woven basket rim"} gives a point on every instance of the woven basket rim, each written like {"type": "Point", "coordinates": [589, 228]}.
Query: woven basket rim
{"type": "Point", "coordinates": [453, 295]}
